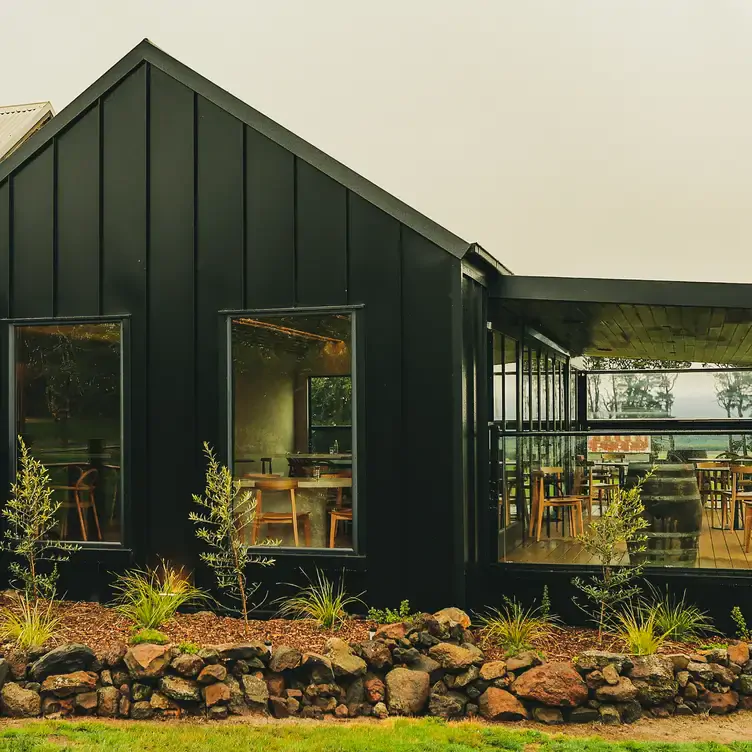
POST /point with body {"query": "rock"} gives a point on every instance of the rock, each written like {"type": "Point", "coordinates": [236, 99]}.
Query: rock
{"type": "Point", "coordinates": [344, 662]}
{"type": "Point", "coordinates": [595, 679]}
{"type": "Point", "coordinates": [52, 707]}
{"type": "Point", "coordinates": [255, 691]}
{"type": "Point", "coordinates": [64, 685]}
{"type": "Point", "coordinates": [444, 704]}
{"type": "Point", "coordinates": [429, 665]}
{"type": "Point", "coordinates": [285, 658]}
{"type": "Point", "coordinates": [522, 661]}
{"type": "Point", "coordinates": [209, 655]}
{"type": "Point", "coordinates": [374, 689]}
{"type": "Point", "coordinates": [4, 671]}
{"type": "Point", "coordinates": [609, 715]}
{"type": "Point", "coordinates": [376, 654]}
{"type": "Point", "coordinates": [457, 681]}
{"type": "Point", "coordinates": [240, 651]}
{"type": "Point", "coordinates": [721, 674]}
{"type": "Point", "coordinates": [380, 711]}
{"type": "Point", "coordinates": [722, 702]}
{"type": "Point", "coordinates": [327, 704]}
{"type": "Point", "coordinates": [218, 713]}
{"type": "Point", "coordinates": [214, 672]}
{"type": "Point", "coordinates": [493, 670]}
{"type": "Point", "coordinates": [653, 675]}
{"type": "Point", "coordinates": [555, 684]}
{"type": "Point", "coordinates": [680, 661]}
{"type": "Point", "coordinates": [583, 715]}
{"type": "Point", "coordinates": [86, 702]}
{"type": "Point", "coordinates": [683, 710]}
{"type": "Point", "coordinates": [141, 711]}
{"type": "Point", "coordinates": [319, 666]}
{"type": "Point", "coordinates": [140, 692]}
{"type": "Point", "coordinates": [391, 632]}
{"type": "Point", "coordinates": [124, 708]}
{"type": "Point", "coordinates": [452, 657]}
{"type": "Point", "coordinates": [407, 691]}
{"type": "Point", "coordinates": [451, 616]}
{"type": "Point", "coordinates": [180, 689]}
{"type": "Point", "coordinates": [215, 693]}
{"type": "Point", "coordinates": [105, 677]}
{"type": "Point", "coordinates": [114, 654]}
{"type": "Point", "coordinates": [108, 699]}
{"type": "Point", "coordinates": [590, 660]}
{"type": "Point", "coordinates": [629, 711]}
{"type": "Point", "coordinates": [682, 678]}
{"type": "Point", "coordinates": [279, 707]}
{"type": "Point", "coordinates": [743, 684]}
{"type": "Point", "coordinates": [655, 692]}
{"type": "Point", "coordinates": [549, 716]}
{"type": "Point", "coordinates": [341, 711]}
{"type": "Point", "coordinates": [275, 683]}
{"type": "Point", "coordinates": [623, 691]}
{"type": "Point", "coordinates": [355, 694]}
{"type": "Point", "coordinates": [119, 678]}
{"type": "Point", "coordinates": [690, 691]}
{"type": "Point", "coordinates": [610, 674]}
{"type": "Point", "coordinates": [18, 702]}
{"type": "Point", "coordinates": [147, 661]}
{"type": "Point", "coordinates": [18, 662]}
{"type": "Point", "coordinates": [406, 655]}
{"type": "Point", "coordinates": [701, 671]}
{"type": "Point", "coordinates": [716, 655]}
{"type": "Point", "coordinates": [63, 660]}
{"type": "Point", "coordinates": [745, 702]}
{"type": "Point", "coordinates": [187, 665]}
{"type": "Point", "coordinates": [499, 705]}
{"type": "Point", "coordinates": [738, 653]}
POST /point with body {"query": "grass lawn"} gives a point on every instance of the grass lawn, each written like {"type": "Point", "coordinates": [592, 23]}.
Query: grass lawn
{"type": "Point", "coordinates": [398, 736]}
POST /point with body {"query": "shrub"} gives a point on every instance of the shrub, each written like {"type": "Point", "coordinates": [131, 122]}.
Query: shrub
{"type": "Point", "coordinates": [30, 624]}
{"type": "Point", "coordinates": [188, 647]}
{"type": "Point", "coordinates": [319, 600]}
{"type": "Point", "coordinates": [513, 627]}
{"type": "Point", "coordinates": [228, 514]}
{"type": "Point", "coordinates": [31, 516]}
{"type": "Point", "coordinates": [637, 627]}
{"type": "Point", "coordinates": [389, 616]}
{"type": "Point", "coordinates": [677, 619]}
{"type": "Point", "coordinates": [742, 632]}
{"type": "Point", "coordinates": [152, 636]}
{"type": "Point", "coordinates": [151, 597]}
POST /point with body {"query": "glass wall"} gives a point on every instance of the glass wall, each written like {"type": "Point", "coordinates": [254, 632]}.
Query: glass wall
{"type": "Point", "coordinates": [68, 410]}
{"type": "Point", "coordinates": [293, 418]}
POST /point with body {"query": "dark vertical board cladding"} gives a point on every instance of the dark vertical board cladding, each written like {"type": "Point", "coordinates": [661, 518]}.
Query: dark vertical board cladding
{"type": "Point", "coordinates": [32, 244]}
{"type": "Point", "coordinates": [374, 242]}
{"type": "Point", "coordinates": [219, 253]}
{"type": "Point", "coordinates": [123, 273]}
{"type": "Point", "coordinates": [321, 238]}
{"type": "Point", "coordinates": [78, 218]}
{"type": "Point", "coordinates": [172, 434]}
{"type": "Point", "coordinates": [5, 249]}
{"type": "Point", "coordinates": [270, 223]}
{"type": "Point", "coordinates": [431, 417]}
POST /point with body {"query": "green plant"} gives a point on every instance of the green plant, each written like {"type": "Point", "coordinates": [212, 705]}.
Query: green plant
{"type": "Point", "coordinates": [545, 606]}
{"type": "Point", "coordinates": [676, 618]}
{"type": "Point", "coordinates": [188, 647]}
{"type": "Point", "coordinates": [30, 624]}
{"type": "Point", "coordinates": [151, 597]}
{"type": "Point", "coordinates": [320, 600]}
{"type": "Point", "coordinates": [513, 627]}
{"type": "Point", "coordinates": [228, 514]}
{"type": "Point", "coordinates": [637, 627]}
{"type": "Point", "coordinates": [742, 631]}
{"type": "Point", "coordinates": [152, 636]}
{"type": "Point", "coordinates": [31, 515]}
{"type": "Point", "coordinates": [622, 522]}
{"type": "Point", "coordinates": [389, 616]}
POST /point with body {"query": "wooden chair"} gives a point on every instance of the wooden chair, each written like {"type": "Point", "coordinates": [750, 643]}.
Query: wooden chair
{"type": "Point", "coordinates": [712, 479]}
{"type": "Point", "coordinates": [293, 517]}
{"type": "Point", "coordinates": [81, 496]}
{"type": "Point", "coordinates": [747, 523]}
{"type": "Point", "coordinates": [571, 504]}
{"type": "Point", "coordinates": [603, 485]}
{"type": "Point", "coordinates": [340, 513]}
{"type": "Point", "coordinates": [739, 491]}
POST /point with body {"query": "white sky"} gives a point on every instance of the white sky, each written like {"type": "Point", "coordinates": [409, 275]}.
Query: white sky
{"type": "Point", "coordinates": [605, 138]}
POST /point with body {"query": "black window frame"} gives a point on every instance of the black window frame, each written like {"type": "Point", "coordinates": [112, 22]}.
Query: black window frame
{"type": "Point", "coordinates": [124, 320]}
{"type": "Point", "coordinates": [309, 411]}
{"type": "Point", "coordinates": [227, 418]}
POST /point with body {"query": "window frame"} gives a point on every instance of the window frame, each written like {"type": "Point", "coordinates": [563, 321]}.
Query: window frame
{"type": "Point", "coordinates": [309, 412]}
{"type": "Point", "coordinates": [356, 314]}
{"type": "Point", "coordinates": [124, 320]}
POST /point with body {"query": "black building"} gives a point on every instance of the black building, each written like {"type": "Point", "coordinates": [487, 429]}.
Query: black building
{"type": "Point", "coordinates": [176, 268]}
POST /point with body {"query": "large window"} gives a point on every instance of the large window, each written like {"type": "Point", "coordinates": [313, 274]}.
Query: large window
{"type": "Point", "coordinates": [293, 417]}
{"type": "Point", "coordinates": [68, 410]}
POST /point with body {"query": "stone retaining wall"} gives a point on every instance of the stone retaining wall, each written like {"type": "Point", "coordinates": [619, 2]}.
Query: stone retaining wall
{"type": "Point", "coordinates": [432, 667]}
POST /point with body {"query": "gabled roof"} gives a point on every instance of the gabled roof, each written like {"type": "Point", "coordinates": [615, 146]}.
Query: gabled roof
{"type": "Point", "coordinates": [19, 121]}
{"type": "Point", "coordinates": [147, 52]}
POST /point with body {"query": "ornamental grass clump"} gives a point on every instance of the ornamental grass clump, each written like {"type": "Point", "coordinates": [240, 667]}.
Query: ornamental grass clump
{"type": "Point", "coordinates": [151, 597]}
{"type": "Point", "coordinates": [320, 600]}
{"type": "Point", "coordinates": [514, 628]}
{"type": "Point", "coordinates": [638, 628]}
{"type": "Point", "coordinates": [29, 624]}
{"type": "Point", "coordinates": [227, 515]}
{"type": "Point", "coordinates": [677, 619]}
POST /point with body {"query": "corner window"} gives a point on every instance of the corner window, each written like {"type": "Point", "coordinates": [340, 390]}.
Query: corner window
{"type": "Point", "coordinates": [68, 410]}
{"type": "Point", "coordinates": [293, 416]}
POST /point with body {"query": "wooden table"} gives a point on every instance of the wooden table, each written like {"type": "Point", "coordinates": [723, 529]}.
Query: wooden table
{"type": "Point", "coordinates": [304, 482]}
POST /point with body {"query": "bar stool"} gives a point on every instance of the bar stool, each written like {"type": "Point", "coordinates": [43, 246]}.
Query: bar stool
{"type": "Point", "coordinates": [82, 499]}
{"type": "Point", "coordinates": [740, 491]}
{"type": "Point", "coordinates": [293, 517]}
{"type": "Point", "coordinates": [571, 504]}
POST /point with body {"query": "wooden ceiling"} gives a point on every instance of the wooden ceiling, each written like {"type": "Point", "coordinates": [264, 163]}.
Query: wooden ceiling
{"type": "Point", "coordinates": [708, 334]}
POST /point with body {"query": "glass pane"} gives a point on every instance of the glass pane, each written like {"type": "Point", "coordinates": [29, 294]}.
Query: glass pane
{"type": "Point", "coordinates": [68, 411]}
{"type": "Point", "coordinates": [293, 418]}
{"type": "Point", "coordinates": [510, 381]}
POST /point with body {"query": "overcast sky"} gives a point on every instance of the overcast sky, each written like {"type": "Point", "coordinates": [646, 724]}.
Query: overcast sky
{"type": "Point", "coordinates": [608, 138]}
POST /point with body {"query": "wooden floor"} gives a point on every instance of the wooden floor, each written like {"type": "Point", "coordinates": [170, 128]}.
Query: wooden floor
{"type": "Point", "coordinates": [719, 549]}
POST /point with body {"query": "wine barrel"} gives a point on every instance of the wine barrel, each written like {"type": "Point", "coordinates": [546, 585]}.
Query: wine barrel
{"type": "Point", "coordinates": [674, 513]}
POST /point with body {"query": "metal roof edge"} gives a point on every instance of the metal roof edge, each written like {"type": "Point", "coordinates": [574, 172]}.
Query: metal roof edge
{"type": "Point", "coordinates": [476, 249]}
{"type": "Point", "coordinates": [146, 51]}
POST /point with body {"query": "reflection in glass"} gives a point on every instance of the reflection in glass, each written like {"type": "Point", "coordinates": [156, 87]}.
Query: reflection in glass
{"type": "Point", "coordinates": [293, 425]}
{"type": "Point", "coordinates": [68, 411]}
